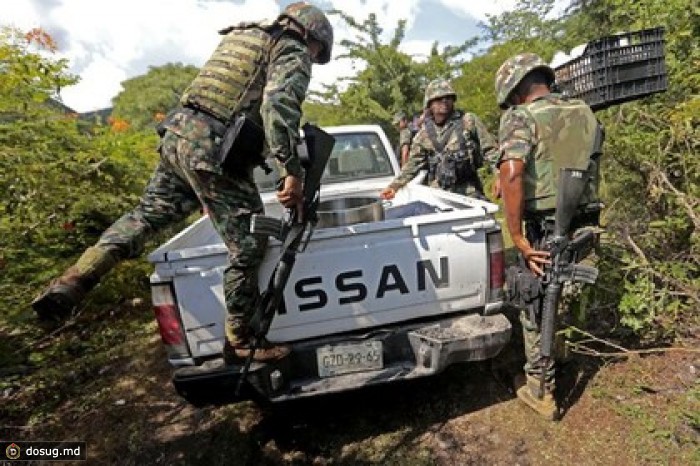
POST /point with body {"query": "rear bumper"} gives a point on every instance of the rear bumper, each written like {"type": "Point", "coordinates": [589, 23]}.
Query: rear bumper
{"type": "Point", "coordinates": [409, 351]}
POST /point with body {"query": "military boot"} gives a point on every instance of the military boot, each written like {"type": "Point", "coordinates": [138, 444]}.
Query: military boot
{"type": "Point", "coordinates": [64, 293]}
{"type": "Point", "coordinates": [543, 403]}
{"type": "Point", "coordinates": [237, 347]}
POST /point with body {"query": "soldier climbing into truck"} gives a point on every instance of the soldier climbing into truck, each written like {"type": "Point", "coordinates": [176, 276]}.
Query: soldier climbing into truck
{"type": "Point", "coordinates": [244, 103]}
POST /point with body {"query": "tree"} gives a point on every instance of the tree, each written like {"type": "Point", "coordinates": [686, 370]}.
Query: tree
{"type": "Point", "coordinates": [530, 19]}
{"type": "Point", "coordinates": [390, 80]}
{"type": "Point", "coordinates": [29, 75]}
{"type": "Point", "coordinates": [651, 154]}
{"type": "Point", "coordinates": [529, 27]}
{"type": "Point", "coordinates": [61, 186]}
{"type": "Point", "coordinates": [146, 99]}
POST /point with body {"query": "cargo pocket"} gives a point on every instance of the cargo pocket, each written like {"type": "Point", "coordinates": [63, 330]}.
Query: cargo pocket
{"type": "Point", "coordinates": [198, 146]}
{"type": "Point", "coordinates": [203, 154]}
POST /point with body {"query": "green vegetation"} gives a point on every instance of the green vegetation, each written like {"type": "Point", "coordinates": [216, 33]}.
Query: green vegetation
{"type": "Point", "coordinates": [63, 183]}
{"type": "Point", "coordinates": [146, 99]}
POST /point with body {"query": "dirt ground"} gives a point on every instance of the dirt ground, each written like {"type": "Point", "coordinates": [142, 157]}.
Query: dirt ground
{"type": "Point", "coordinates": [642, 410]}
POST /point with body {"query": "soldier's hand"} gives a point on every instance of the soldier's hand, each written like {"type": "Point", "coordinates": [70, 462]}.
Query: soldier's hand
{"type": "Point", "coordinates": [387, 193]}
{"type": "Point", "coordinates": [292, 194]}
{"type": "Point", "coordinates": [535, 259]}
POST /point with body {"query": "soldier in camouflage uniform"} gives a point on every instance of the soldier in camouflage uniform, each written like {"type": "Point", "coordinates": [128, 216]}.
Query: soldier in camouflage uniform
{"type": "Point", "coordinates": [450, 144]}
{"type": "Point", "coordinates": [260, 71]}
{"type": "Point", "coordinates": [540, 132]}
{"type": "Point", "coordinates": [405, 136]}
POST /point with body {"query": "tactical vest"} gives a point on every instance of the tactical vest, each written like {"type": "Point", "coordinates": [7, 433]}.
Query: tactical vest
{"type": "Point", "coordinates": [567, 135]}
{"type": "Point", "coordinates": [449, 168]}
{"type": "Point", "coordinates": [234, 76]}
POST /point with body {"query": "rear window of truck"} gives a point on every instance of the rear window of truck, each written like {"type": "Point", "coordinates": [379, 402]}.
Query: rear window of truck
{"type": "Point", "coordinates": [356, 156]}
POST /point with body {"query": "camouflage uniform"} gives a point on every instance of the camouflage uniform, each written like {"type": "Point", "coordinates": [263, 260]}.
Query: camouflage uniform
{"type": "Point", "coordinates": [422, 153]}
{"type": "Point", "coordinates": [405, 134]}
{"type": "Point", "coordinates": [190, 174]}
{"type": "Point", "coordinates": [548, 133]}
{"type": "Point", "coordinates": [405, 137]}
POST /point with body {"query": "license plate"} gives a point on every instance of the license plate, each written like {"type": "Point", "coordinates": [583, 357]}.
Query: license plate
{"type": "Point", "coordinates": [347, 358]}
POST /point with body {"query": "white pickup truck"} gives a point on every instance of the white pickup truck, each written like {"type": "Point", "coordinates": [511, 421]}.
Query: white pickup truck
{"type": "Point", "coordinates": [366, 303]}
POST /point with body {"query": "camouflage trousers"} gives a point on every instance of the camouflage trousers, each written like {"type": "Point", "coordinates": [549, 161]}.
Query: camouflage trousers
{"type": "Point", "coordinates": [571, 310]}
{"type": "Point", "coordinates": [179, 187]}
{"type": "Point", "coordinates": [534, 365]}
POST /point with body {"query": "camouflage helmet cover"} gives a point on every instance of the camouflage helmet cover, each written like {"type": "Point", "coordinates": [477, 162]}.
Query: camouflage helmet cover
{"type": "Point", "coordinates": [438, 88]}
{"type": "Point", "coordinates": [398, 116]}
{"type": "Point", "coordinates": [315, 24]}
{"type": "Point", "coordinates": [513, 70]}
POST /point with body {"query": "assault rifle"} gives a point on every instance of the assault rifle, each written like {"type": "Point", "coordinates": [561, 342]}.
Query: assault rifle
{"type": "Point", "coordinates": [541, 295]}
{"type": "Point", "coordinates": [292, 233]}
{"type": "Point", "coordinates": [564, 255]}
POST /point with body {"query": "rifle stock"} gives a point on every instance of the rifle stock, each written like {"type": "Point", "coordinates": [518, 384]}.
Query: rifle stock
{"type": "Point", "coordinates": [319, 146]}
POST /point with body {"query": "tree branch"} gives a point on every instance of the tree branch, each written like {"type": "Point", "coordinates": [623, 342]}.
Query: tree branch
{"type": "Point", "coordinates": [580, 349]}
{"type": "Point", "coordinates": [624, 352]}
{"type": "Point", "coordinates": [689, 292]}
{"type": "Point", "coordinates": [595, 338]}
{"type": "Point", "coordinates": [691, 206]}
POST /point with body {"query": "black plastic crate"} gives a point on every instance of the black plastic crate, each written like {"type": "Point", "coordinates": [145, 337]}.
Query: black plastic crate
{"type": "Point", "coordinates": [616, 69]}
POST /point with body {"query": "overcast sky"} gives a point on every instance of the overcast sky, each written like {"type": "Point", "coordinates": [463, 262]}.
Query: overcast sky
{"type": "Point", "coordinates": [109, 41]}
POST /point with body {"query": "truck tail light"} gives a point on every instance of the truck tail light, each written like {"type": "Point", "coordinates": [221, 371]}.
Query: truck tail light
{"type": "Point", "coordinates": [496, 266]}
{"type": "Point", "coordinates": [169, 323]}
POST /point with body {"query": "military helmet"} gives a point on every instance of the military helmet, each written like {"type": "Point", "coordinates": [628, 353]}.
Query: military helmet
{"type": "Point", "coordinates": [438, 88]}
{"type": "Point", "coordinates": [315, 25]}
{"type": "Point", "coordinates": [398, 116]}
{"type": "Point", "coordinates": [513, 70]}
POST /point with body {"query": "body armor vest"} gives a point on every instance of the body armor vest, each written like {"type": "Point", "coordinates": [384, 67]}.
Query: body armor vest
{"type": "Point", "coordinates": [567, 135]}
{"type": "Point", "coordinates": [449, 168]}
{"type": "Point", "coordinates": [234, 76]}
